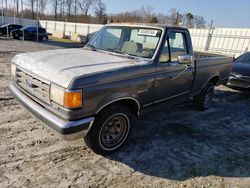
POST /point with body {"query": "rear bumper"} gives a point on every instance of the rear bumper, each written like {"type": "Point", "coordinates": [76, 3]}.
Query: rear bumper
{"type": "Point", "coordinates": [69, 130]}
{"type": "Point", "coordinates": [239, 82]}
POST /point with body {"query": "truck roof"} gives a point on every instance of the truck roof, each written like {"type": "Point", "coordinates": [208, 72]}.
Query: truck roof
{"type": "Point", "coordinates": [161, 26]}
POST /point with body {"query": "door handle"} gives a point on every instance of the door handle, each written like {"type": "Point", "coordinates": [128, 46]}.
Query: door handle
{"type": "Point", "coordinates": [178, 75]}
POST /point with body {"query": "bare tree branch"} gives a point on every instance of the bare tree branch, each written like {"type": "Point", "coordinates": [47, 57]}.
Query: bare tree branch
{"type": "Point", "coordinates": [85, 6]}
{"type": "Point", "coordinates": [100, 9]}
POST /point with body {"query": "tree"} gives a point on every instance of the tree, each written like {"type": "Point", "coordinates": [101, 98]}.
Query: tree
{"type": "Point", "coordinates": [99, 10]}
{"type": "Point", "coordinates": [175, 17]}
{"type": "Point", "coordinates": [69, 6]}
{"type": "Point", "coordinates": [132, 16]}
{"type": "Point", "coordinates": [75, 8]}
{"type": "Point", "coordinates": [42, 6]}
{"type": "Point", "coordinates": [85, 5]}
{"type": "Point", "coordinates": [61, 7]}
{"type": "Point", "coordinates": [16, 5]}
{"type": "Point", "coordinates": [31, 4]}
{"type": "Point", "coordinates": [199, 21]}
{"type": "Point", "coordinates": [6, 4]}
{"type": "Point", "coordinates": [55, 6]}
{"type": "Point", "coordinates": [164, 19]}
{"type": "Point", "coordinates": [147, 12]}
{"type": "Point", "coordinates": [188, 20]}
{"type": "Point", "coordinates": [153, 19]}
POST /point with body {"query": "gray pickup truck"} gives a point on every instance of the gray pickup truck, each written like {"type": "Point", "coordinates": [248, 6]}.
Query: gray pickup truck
{"type": "Point", "coordinates": [96, 91]}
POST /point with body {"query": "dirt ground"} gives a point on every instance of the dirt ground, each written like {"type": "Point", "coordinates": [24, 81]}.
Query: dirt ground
{"type": "Point", "coordinates": [174, 147]}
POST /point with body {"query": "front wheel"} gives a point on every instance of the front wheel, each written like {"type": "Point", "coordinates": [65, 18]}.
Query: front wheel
{"type": "Point", "coordinates": [110, 130]}
{"type": "Point", "coordinates": [204, 100]}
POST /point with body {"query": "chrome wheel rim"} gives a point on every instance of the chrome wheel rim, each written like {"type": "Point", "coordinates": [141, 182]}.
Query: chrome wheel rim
{"type": "Point", "coordinates": [114, 132]}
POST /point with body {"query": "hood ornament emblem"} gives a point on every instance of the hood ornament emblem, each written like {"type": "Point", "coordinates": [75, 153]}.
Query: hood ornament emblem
{"type": "Point", "coordinates": [30, 84]}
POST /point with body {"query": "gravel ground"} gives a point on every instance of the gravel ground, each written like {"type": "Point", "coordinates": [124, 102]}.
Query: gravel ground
{"type": "Point", "coordinates": [175, 147]}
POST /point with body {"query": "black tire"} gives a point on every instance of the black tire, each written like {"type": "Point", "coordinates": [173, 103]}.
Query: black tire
{"type": "Point", "coordinates": [204, 100]}
{"type": "Point", "coordinates": [44, 39]}
{"type": "Point", "coordinates": [110, 130]}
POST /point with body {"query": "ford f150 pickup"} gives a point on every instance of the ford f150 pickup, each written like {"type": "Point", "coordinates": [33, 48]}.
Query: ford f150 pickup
{"type": "Point", "coordinates": [95, 92]}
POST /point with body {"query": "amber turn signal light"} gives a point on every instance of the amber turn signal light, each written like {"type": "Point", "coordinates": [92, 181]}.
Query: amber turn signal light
{"type": "Point", "coordinates": [73, 99]}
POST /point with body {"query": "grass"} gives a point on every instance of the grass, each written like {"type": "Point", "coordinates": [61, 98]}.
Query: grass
{"type": "Point", "coordinates": [62, 40]}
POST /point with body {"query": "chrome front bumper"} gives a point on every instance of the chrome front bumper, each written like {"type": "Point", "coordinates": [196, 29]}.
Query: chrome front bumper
{"type": "Point", "coordinates": [239, 82]}
{"type": "Point", "coordinates": [69, 130]}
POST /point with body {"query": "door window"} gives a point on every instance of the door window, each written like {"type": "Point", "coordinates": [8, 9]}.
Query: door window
{"type": "Point", "coordinates": [41, 30]}
{"type": "Point", "coordinates": [31, 29]}
{"type": "Point", "coordinates": [178, 45]}
{"type": "Point", "coordinates": [164, 57]}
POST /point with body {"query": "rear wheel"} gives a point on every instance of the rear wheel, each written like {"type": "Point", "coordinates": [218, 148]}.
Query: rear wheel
{"type": "Point", "coordinates": [110, 130]}
{"type": "Point", "coordinates": [44, 38]}
{"type": "Point", "coordinates": [204, 100]}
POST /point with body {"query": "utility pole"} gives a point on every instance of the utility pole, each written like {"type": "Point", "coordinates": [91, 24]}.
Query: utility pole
{"type": "Point", "coordinates": [210, 35]}
{"type": "Point", "coordinates": [22, 17]}
{"type": "Point", "coordinates": [15, 11]}
{"type": "Point", "coordinates": [2, 12]}
{"type": "Point", "coordinates": [37, 14]}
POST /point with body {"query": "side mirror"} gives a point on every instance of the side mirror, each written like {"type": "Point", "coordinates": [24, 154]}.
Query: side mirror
{"type": "Point", "coordinates": [234, 58]}
{"type": "Point", "coordinates": [185, 59]}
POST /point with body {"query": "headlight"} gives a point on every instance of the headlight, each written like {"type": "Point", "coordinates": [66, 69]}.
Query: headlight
{"type": "Point", "coordinates": [65, 98]}
{"type": "Point", "coordinates": [13, 70]}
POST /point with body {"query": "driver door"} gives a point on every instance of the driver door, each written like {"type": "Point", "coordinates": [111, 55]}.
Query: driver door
{"type": "Point", "coordinates": [173, 78]}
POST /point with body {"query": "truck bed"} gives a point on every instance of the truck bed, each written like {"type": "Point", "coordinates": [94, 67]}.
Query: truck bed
{"type": "Point", "coordinates": [205, 54]}
{"type": "Point", "coordinates": [208, 64]}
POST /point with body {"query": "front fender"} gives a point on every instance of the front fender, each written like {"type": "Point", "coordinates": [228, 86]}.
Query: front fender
{"type": "Point", "coordinates": [99, 97]}
{"type": "Point", "coordinates": [115, 98]}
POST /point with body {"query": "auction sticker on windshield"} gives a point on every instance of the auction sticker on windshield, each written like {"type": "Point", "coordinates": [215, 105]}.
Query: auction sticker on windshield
{"type": "Point", "coordinates": [147, 32]}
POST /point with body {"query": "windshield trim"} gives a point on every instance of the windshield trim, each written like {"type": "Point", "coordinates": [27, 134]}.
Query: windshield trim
{"type": "Point", "coordinates": [158, 46]}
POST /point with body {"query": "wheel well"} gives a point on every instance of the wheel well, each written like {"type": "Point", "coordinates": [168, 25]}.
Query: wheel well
{"type": "Point", "coordinates": [214, 80]}
{"type": "Point", "coordinates": [131, 104]}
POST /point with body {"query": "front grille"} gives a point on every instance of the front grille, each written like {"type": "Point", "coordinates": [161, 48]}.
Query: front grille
{"type": "Point", "coordinates": [33, 85]}
{"type": "Point", "coordinates": [239, 83]}
{"type": "Point", "coordinates": [241, 77]}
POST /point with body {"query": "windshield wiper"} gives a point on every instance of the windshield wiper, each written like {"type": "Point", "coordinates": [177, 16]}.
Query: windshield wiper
{"type": "Point", "coordinates": [92, 47]}
{"type": "Point", "coordinates": [120, 52]}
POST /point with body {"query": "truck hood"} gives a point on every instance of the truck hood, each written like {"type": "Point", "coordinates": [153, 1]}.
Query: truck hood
{"type": "Point", "coordinates": [241, 68]}
{"type": "Point", "coordinates": [61, 66]}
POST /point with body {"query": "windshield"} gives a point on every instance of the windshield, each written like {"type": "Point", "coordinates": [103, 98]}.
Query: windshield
{"type": "Point", "coordinates": [23, 28]}
{"type": "Point", "coordinates": [132, 41]}
{"type": "Point", "coordinates": [28, 27]}
{"type": "Point", "coordinates": [5, 25]}
{"type": "Point", "coordinates": [245, 59]}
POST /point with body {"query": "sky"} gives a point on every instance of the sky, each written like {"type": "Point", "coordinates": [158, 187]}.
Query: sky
{"type": "Point", "coordinates": [224, 13]}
